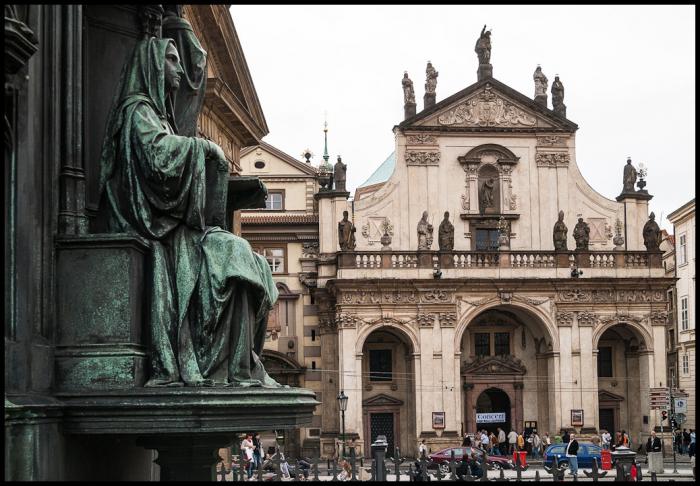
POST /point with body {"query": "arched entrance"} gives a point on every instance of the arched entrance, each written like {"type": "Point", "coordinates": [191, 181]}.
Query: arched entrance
{"type": "Point", "coordinates": [490, 406]}
{"type": "Point", "coordinates": [388, 388]}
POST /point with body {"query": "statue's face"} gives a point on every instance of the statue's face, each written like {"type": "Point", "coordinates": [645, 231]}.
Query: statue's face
{"type": "Point", "coordinates": [425, 214]}
{"type": "Point", "coordinates": [447, 215]}
{"type": "Point", "coordinates": [172, 69]}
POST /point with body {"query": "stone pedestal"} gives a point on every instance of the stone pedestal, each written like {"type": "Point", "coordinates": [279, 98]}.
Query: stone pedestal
{"type": "Point", "coordinates": [331, 205]}
{"type": "Point", "coordinates": [541, 100]}
{"type": "Point", "coordinates": [560, 110]}
{"type": "Point", "coordinates": [484, 71]}
{"type": "Point", "coordinates": [409, 110]}
{"type": "Point", "coordinates": [428, 100]}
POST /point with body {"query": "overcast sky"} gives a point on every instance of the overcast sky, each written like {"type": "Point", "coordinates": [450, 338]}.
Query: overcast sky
{"type": "Point", "coordinates": [628, 73]}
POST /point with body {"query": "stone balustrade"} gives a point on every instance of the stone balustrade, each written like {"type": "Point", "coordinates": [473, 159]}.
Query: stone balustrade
{"type": "Point", "coordinates": [513, 259]}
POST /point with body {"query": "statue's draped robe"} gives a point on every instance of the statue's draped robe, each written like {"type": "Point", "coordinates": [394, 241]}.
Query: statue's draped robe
{"type": "Point", "coordinates": [210, 294]}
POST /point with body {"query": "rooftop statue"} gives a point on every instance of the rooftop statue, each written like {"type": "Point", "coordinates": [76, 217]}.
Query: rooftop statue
{"type": "Point", "coordinates": [210, 294]}
{"type": "Point", "coordinates": [339, 175]}
{"type": "Point", "coordinates": [541, 82]}
{"type": "Point", "coordinates": [446, 234]}
{"type": "Point", "coordinates": [558, 97]}
{"type": "Point", "coordinates": [629, 177]}
{"type": "Point", "coordinates": [559, 233]}
{"type": "Point", "coordinates": [483, 46]}
{"type": "Point", "coordinates": [651, 234]}
{"type": "Point", "coordinates": [408, 95]}
{"type": "Point", "coordinates": [430, 78]}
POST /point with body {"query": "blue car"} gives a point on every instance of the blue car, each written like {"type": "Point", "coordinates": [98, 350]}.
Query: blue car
{"type": "Point", "coordinates": [586, 453]}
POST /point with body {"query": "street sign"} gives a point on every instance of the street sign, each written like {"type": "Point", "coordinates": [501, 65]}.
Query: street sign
{"type": "Point", "coordinates": [680, 405]}
{"type": "Point", "coordinates": [659, 399]}
{"type": "Point", "coordinates": [490, 418]}
{"type": "Point", "coordinates": [680, 418]}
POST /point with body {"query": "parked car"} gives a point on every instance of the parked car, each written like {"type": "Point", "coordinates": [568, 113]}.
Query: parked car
{"type": "Point", "coordinates": [586, 452]}
{"type": "Point", "coordinates": [442, 458]}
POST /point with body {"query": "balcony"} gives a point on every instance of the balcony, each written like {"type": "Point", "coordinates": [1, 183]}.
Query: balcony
{"type": "Point", "coordinates": [501, 264]}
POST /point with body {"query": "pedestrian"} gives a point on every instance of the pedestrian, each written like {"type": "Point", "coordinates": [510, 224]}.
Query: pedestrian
{"type": "Point", "coordinates": [257, 450]}
{"type": "Point", "coordinates": [571, 454]}
{"type": "Point", "coordinates": [422, 449]}
{"type": "Point", "coordinates": [566, 437]}
{"type": "Point", "coordinates": [521, 442]}
{"type": "Point", "coordinates": [626, 440]}
{"type": "Point", "coordinates": [247, 448]}
{"type": "Point", "coordinates": [512, 441]}
{"type": "Point", "coordinates": [692, 436]}
{"type": "Point", "coordinates": [546, 442]}
{"type": "Point", "coordinates": [653, 443]}
{"type": "Point", "coordinates": [345, 471]}
{"type": "Point", "coordinates": [691, 453]}
{"type": "Point", "coordinates": [536, 445]}
{"type": "Point", "coordinates": [686, 440]}
{"type": "Point", "coordinates": [493, 441]}
{"type": "Point", "coordinates": [502, 441]}
{"type": "Point", "coordinates": [466, 441]}
{"type": "Point", "coordinates": [484, 442]}
{"type": "Point", "coordinates": [678, 441]}
{"type": "Point", "coordinates": [605, 440]}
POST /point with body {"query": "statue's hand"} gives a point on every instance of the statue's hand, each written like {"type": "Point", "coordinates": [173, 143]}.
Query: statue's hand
{"type": "Point", "coordinates": [216, 152]}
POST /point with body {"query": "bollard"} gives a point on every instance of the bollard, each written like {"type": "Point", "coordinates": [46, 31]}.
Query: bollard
{"type": "Point", "coordinates": [378, 453]}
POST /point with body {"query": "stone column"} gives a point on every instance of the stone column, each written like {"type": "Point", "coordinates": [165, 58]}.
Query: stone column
{"type": "Point", "coordinates": [350, 379]}
{"type": "Point", "coordinates": [566, 379]}
{"type": "Point", "coordinates": [554, 393]}
{"type": "Point", "coordinates": [331, 205]}
{"type": "Point", "coordinates": [426, 392]}
{"type": "Point", "coordinates": [587, 381]}
{"type": "Point", "coordinates": [543, 398]}
{"type": "Point", "coordinates": [417, 393]}
{"type": "Point", "coordinates": [635, 215]}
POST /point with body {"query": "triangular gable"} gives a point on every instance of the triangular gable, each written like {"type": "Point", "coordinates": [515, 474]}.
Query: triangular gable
{"type": "Point", "coordinates": [493, 365]}
{"type": "Point", "coordinates": [382, 400]}
{"type": "Point", "coordinates": [606, 396]}
{"type": "Point", "coordinates": [489, 104]}
{"type": "Point", "coordinates": [283, 156]}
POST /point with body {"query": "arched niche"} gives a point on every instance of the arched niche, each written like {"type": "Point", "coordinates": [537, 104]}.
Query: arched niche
{"type": "Point", "coordinates": [489, 190]}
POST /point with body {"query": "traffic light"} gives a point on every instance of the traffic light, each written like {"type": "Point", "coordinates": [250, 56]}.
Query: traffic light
{"type": "Point", "coordinates": [674, 424]}
{"type": "Point", "coordinates": [664, 415]}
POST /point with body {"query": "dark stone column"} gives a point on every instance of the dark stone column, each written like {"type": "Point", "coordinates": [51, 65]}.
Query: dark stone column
{"type": "Point", "coordinates": [484, 71]}
{"type": "Point", "coordinates": [428, 100]}
{"type": "Point", "coordinates": [541, 100]}
{"type": "Point", "coordinates": [409, 110]}
{"type": "Point", "coordinates": [187, 458]}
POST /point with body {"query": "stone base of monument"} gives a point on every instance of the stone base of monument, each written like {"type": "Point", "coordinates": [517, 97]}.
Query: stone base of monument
{"type": "Point", "coordinates": [186, 425]}
{"type": "Point", "coordinates": [484, 71]}
{"type": "Point", "coordinates": [409, 110]}
{"type": "Point", "coordinates": [428, 100]}
{"type": "Point", "coordinates": [541, 100]}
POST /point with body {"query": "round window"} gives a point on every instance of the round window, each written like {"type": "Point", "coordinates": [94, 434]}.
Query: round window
{"type": "Point", "coordinates": [259, 164]}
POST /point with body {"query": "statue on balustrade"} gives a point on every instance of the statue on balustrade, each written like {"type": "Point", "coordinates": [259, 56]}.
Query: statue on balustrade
{"type": "Point", "coordinates": [581, 234]}
{"type": "Point", "coordinates": [559, 233]}
{"type": "Point", "coordinates": [446, 234]}
{"type": "Point", "coordinates": [346, 233]}
{"type": "Point", "coordinates": [629, 177]}
{"type": "Point", "coordinates": [339, 175]}
{"type": "Point", "coordinates": [425, 233]}
{"type": "Point", "coordinates": [210, 294]}
{"type": "Point", "coordinates": [652, 234]}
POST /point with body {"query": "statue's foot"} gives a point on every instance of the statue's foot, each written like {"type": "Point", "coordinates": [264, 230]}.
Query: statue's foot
{"type": "Point", "coordinates": [245, 383]}
{"type": "Point", "coordinates": [205, 382]}
{"type": "Point", "coordinates": [162, 382]}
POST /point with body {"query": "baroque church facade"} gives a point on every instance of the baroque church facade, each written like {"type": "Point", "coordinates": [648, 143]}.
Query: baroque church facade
{"type": "Point", "coordinates": [497, 318]}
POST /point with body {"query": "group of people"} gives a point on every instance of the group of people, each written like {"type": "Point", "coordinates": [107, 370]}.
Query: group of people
{"type": "Point", "coordinates": [501, 444]}
{"type": "Point", "coordinates": [684, 439]}
{"type": "Point", "coordinates": [621, 439]}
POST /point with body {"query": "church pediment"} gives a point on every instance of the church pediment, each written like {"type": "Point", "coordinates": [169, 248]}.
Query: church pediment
{"type": "Point", "coordinates": [606, 396]}
{"type": "Point", "coordinates": [382, 400]}
{"type": "Point", "coordinates": [489, 104]}
{"type": "Point", "coordinates": [495, 365]}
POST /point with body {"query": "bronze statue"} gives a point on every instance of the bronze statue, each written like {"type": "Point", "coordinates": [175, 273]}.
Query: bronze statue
{"type": "Point", "coordinates": [486, 194]}
{"type": "Point", "coordinates": [210, 294]}
{"type": "Point", "coordinates": [339, 175]}
{"type": "Point", "coordinates": [558, 96]}
{"type": "Point", "coordinates": [541, 82]}
{"type": "Point", "coordinates": [651, 234]}
{"type": "Point", "coordinates": [483, 46]}
{"type": "Point", "coordinates": [346, 233]}
{"type": "Point", "coordinates": [446, 234]}
{"type": "Point", "coordinates": [425, 233]}
{"type": "Point", "coordinates": [581, 234]}
{"type": "Point", "coordinates": [629, 177]}
{"type": "Point", "coordinates": [408, 95]}
{"type": "Point", "coordinates": [559, 233]}
{"type": "Point", "coordinates": [430, 79]}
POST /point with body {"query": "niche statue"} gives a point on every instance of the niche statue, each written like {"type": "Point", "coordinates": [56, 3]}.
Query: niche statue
{"type": "Point", "coordinates": [210, 294]}
{"type": "Point", "coordinates": [446, 234]}
{"type": "Point", "coordinates": [581, 234]}
{"type": "Point", "coordinates": [346, 233]}
{"type": "Point", "coordinates": [559, 233]}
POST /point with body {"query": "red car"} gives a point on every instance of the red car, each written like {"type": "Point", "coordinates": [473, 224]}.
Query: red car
{"type": "Point", "coordinates": [442, 458]}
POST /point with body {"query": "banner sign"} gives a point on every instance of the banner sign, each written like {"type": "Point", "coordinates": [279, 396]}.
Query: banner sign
{"type": "Point", "coordinates": [490, 418]}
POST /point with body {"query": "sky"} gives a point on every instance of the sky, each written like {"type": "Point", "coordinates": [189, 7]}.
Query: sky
{"type": "Point", "coordinates": [628, 74]}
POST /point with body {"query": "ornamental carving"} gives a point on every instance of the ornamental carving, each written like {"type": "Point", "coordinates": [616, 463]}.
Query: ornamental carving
{"type": "Point", "coordinates": [447, 319]}
{"type": "Point", "coordinates": [346, 321]}
{"type": "Point", "coordinates": [620, 318]}
{"type": "Point", "coordinates": [587, 319]}
{"type": "Point", "coordinates": [422, 139]}
{"type": "Point", "coordinates": [326, 325]}
{"type": "Point", "coordinates": [476, 303]}
{"type": "Point", "coordinates": [658, 318]}
{"type": "Point", "coordinates": [500, 365]}
{"type": "Point", "coordinates": [413, 157]}
{"type": "Point", "coordinates": [552, 159]}
{"type": "Point", "coordinates": [309, 249]}
{"type": "Point", "coordinates": [465, 201]}
{"type": "Point", "coordinates": [487, 109]}
{"type": "Point", "coordinates": [375, 228]}
{"type": "Point", "coordinates": [623, 296]}
{"type": "Point", "coordinates": [425, 320]}
{"type": "Point", "coordinates": [565, 319]}
{"type": "Point", "coordinates": [435, 295]}
{"type": "Point", "coordinates": [308, 280]}
{"type": "Point", "coordinates": [551, 141]}
{"type": "Point", "coordinates": [513, 202]}
{"type": "Point", "coordinates": [531, 301]}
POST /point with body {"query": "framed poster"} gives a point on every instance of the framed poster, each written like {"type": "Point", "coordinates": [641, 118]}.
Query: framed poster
{"type": "Point", "coordinates": [577, 417]}
{"type": "Point", "coordinates": [438, 420]}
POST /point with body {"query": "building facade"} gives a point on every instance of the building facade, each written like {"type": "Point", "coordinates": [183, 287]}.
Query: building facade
{"type": "Point", "coordinates": [454, 312]}
{"type": "Point", "coordinates": [683, 220]}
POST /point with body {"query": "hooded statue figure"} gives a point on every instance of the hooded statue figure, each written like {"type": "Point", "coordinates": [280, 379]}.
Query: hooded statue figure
{"type": "Point", "coordinates": [210, 295]}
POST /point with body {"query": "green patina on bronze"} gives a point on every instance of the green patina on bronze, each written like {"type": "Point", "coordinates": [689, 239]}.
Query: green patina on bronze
{"type": "Point", "coordinates": [210, 294]}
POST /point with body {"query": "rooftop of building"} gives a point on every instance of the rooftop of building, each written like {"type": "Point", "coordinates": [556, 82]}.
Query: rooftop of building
{"type": "Point", "coordinates": [382, 173]}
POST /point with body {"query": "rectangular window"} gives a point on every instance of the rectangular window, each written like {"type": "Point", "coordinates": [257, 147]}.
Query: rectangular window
{"type": "Point", "coordinates": [671, 340]}
{"type": "Point", "coordinates": [605, 369]}
{"type": "Point", "coordinates": [380, 365]}
{"type": "Point", "coordinates": [684, 313]}
{"type": "Point", "coordinates": [686, 368]}
{"type": "Point", "coordinates": [482, 344]}
{"type": "Point", "coordinates": [501, 342]}
{"type": "Point", "coordinates": [682, 256]}
{"type": "Point", "coordinates": [487, 239]}
{"type": "Point", "coordinates": [274, 201]}
{"type": "Point", "coordinates": [275, 257]}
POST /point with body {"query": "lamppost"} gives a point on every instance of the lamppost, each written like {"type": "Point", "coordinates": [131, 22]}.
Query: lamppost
{"type": "Point", "coordinates": [343, 402]}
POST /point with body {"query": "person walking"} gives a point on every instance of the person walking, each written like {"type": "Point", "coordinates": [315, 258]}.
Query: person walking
{"type": "Point", "coordinates": [605, 440]}
{"type": "Point", "coordinates": [691, 453]}
{"type": "Point", "coordinates": [571, 454]}
{"type": "Point", "coordinates": [502, 441]}
{"type": "Point", "coordinates": [512, 441]}
{"type": "Point", "coordinates": [422, 449]}
{"type": "Point", "coordinates": [467, 441]}
{"type": "Point", "coordinates": [257, 450]}
{"type": "Point", "coordinates": [493, 441]}
{"type": "Point", "coordinates": [566, 437]}
{"type": "Point", "coordinates": [247, 449]}
{"type": "Point", "coordinates": [686, 440]}
{"type": "Point", "coordinates": [521, 442]}
{"type": "Point", "coordinates": [536, 445]}
{"type": "Point", "coordinates": [546, 442]}
{"type": "Point", "coordinates": [484, 441]}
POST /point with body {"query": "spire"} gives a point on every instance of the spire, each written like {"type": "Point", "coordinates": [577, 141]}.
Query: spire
{"type": "Point", "coordinates": [325, 141]}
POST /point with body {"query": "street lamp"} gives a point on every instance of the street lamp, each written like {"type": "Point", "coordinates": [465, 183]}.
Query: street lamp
{"type": "Point", "coordinates": [343, 402]}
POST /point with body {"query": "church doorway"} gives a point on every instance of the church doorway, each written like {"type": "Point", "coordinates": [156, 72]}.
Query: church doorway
{"type": "Point", "coordinates": [493, 411]}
